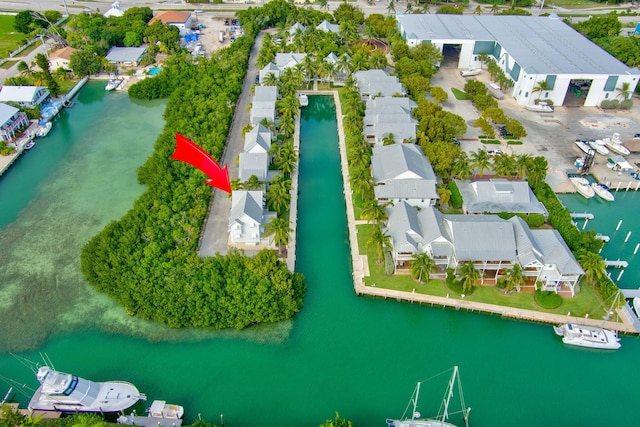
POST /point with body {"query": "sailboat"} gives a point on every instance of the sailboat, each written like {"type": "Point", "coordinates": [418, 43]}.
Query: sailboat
{"type": "Point", "coordinates": [416, 420]}
{"type": "Point", "coordinates": [590, 336]}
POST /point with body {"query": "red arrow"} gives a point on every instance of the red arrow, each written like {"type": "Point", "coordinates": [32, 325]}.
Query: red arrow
{"type": "Point", "coordinates": [188, 152]}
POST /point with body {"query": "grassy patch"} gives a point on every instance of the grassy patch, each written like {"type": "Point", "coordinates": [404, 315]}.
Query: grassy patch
{"type": "Point", "coordinates": [514, 142]}
{"type": "Point", "coordinates": [30, 49]}
{"type": "Point", "coordinates": [548, 299]}
{"type": "Point", "coordinates": [8, 64]}
{"type": "Point", "coordinates": [460, 95]}
{"type": "Point", "coordinates": [10, 39]}
{"type": "Point", "coordinates": [490, 141]}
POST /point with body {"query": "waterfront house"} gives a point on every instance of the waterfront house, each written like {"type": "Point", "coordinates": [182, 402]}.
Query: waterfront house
{"type": "Point", "coordinates": [247, 218]}
{"type": "Point", "coordinates": [126, 56]}
{"type": "Point", "coordinates": [258, 140]}
{"type": "Point", "coordinates": [387, 116]}
{"type": "Point", "coordinates": [253, 164]}
{"type": "Point", "coordinates": [327, 26]}
{"type": "Point", "coordinates": [499, 195]}
{"type": "Point", "coordinates": [116, 10]}
{"type": "Point", "coordinates": [61, 58]}
{"type": "Point", "coordinates": [491, 243]}
{"type": "Point", "coordinates": [373, 83]}
{"type": "Point", "coordinates": [177, 18]}
{"type": "Point", "coordinates": [263, 105]}
{"type": "Point", "coordinates": [401, 172]}
{"type": "Point", "coordinates": [12, 121]}
{"type": "Point", "coordinates": [340, 71]}
{"type": "Point", "coordinates": [25, 96]}
{"type": "Point", "coordinates": [288, 60]}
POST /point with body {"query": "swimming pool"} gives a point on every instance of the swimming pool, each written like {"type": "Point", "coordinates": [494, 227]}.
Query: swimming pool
{"type": "Point", "coordinates": [155, 70]}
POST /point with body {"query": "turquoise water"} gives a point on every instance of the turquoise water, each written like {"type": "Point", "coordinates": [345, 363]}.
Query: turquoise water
{"type": "Point", "coordinates": [154, 70]}
{"type": "Point", "coordinates": [343, 353]}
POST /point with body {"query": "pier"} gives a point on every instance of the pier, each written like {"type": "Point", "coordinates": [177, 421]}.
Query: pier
{"type": "Point", "coordinates": [616, 264]}
{"type": "Point", "coordinates": [584, 215]}
{"type": "Point", "coordinates": [67, 98]}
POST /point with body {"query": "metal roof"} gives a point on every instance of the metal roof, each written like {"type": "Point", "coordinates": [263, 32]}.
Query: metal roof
{"type": "Point", "coordinates": [6, 113]}
{"type": "Point", "coordinates": [125, 54]}
{"type": "Point", "coordinates": [378, 82]}
{"type": "Point", "coordinates": [400, 161]}
{"type": "Point", "coordinates": [499, 195]}
{"type": "Point", "coordinates": [481, 237]}
{"type": "Point", "coordinates": [247, 203]}
{"type": "Point", "coordinates": [253, 164]}
{"type": "Point", "coordinates": [257, 140]}
{"type": "Point", "coordinates": [541, 45]}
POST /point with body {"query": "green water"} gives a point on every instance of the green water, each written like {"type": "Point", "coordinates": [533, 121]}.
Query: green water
{"type": "Point", "coordinates": [343, 353]}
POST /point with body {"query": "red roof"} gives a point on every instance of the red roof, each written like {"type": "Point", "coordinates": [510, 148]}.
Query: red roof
{"type": "Point", "coordinates": [64, 53]}
{"type": "Point", "coordinates": [171, 17]}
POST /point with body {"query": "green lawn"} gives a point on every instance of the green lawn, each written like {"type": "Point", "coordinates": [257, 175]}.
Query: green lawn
{"type": "Point", "coordinates": [10, 39]}
{"type": "Point", "coordinates": [586, 302]}
{"type": "Point", "coordinates": [460, 95]}
{"type": "Point", "coordinates": [8, 64]}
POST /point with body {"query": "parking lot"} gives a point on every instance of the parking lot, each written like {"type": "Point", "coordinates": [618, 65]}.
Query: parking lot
{"type": "Point", "coordinates": [214, 24]}
{"type": "Point", "coordinates": [551, 135]}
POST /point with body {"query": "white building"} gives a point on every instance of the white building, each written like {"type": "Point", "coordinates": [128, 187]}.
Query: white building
{"type": "Point", "coordinates": [247, 218]}
{"type": "Point", "coordinates": [177, 18]}
{"type": "Point", "coordinates": [25, 96]}
{"type": "Point", "coordinates": [115, 10]}
{"type": "Point", "coordinates": [529, 50]}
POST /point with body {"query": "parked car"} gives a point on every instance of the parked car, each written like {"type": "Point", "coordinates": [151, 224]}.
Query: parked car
{"type": "Point", "coordinates": [257, 78]}
{"type": "Point", "coordinates": [495, 152]}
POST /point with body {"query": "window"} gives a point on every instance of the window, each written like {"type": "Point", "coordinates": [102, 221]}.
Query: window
{"type": "Point", "coordinates": [526, 94]}
{"type": "Point", "coordinates": [551, 82]}
{"type": "Point", "coordinates": [611, 83]}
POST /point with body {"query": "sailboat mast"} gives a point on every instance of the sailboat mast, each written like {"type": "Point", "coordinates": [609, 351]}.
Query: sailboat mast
{"type": "Point", "coordinates": [415, 403]}
{"type": "Point", "coordinates": [445, 413]}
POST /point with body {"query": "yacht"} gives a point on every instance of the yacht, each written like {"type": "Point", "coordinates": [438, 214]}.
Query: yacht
{"type": "Point", "coordinates": [584, 146]}
{"type": "Point", "coordinates": [68, 393]}
{"type": "Point", "coordinates": [470, 72]}
{"type": "Point", "coordinates": [599, 146]}
{"type": "Point", "coordinates": [615, 144]}
{"type": "Point", "coordinates": [304, 99]}
{"type": "Point", "coordinates": [603, 192]}
{"type": "Point", "coordinates": [588, 336]}
{"type": "Point", "coordinates": [112, 84]}
{"type": "Point", "coordinates": [541, 107]}
{"type": "Point", "coordinates": [44, 129]}
{"type": "Point", "coordinates": [583, 187]}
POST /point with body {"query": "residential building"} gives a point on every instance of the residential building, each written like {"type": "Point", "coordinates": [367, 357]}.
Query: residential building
{"type": "Point", "coordinates": [177, 18]}
{"type": "Point", "coordinates": [61, 58]}
{"type": "Point", "coordinates": [374, 83]}
{"type": "Point", "coordinates": [253, 164]}
{"type": "Point", "coordinates": [530, 50]}
{"type": "Point", "coordinates": [492, 244]}
{"type": "Point", "coordinates": [12, 120]}
{"type": "Point", "coordinates": [499, 195]}
{"type": "Point", "coordinates": [25, 96]}
{"type": "Point", "coordinates": [288, 60]}
{"type": "Point", "coordinates": [126, 56]}
{"type": "Point", "coordinates": [247, 218]}
{"type": "Point", "coordinates": [401, 172]}
{"type": "Point", "coordinates": [327, 26]}
{"type": "Point", "coordinates": [258, 140]}
{"type": "Point", "coordinates": [388, 116]}
{"type": "Point", "coordinates": [341, 72]}
{"type": "Point", "coordinates": [295, 28]}
{"type": "Point", "coordinates": [263, 105]}
{"type": "Point", "coordinates": [115, 10]}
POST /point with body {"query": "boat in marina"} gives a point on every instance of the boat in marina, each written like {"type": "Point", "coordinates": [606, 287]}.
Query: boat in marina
{"type": "Point", "coordinates": [603, 192]}
{"type": "Point", "coordinates": [583, 187]}
{"type": "Point", "coordinates": [599, 146]}
{"type": "Point", "coordinates": [304, 99]}
{"type": "Point", "coordinates": [160, 414]}
{"type": "Point", "coordinates": [588, 336]}
{"type": "Point", "coordinates": [615, 144]}
{"type": "Point", "coordinates": [584, 146]}
{"type": "Point", "coordinates": [63, 392]}
{"type": "Point", "coordinates": [29, 145]}
{"type": "Point", "coordinates": [470, 72]}
{"type": "Point", "coordinates": [541, 107]}
{"type": "Point", "coordinates": [112, 84]}
{"type": "Point", "coordinates": [44, 129]}
{"type": "Point", "coordinates": [415, 419]}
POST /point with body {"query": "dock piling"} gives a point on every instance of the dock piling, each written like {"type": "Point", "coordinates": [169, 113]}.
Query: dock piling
{"type": "Point", "coordinates": [627, 238]}
{"type": "Point", "coordinates": [619, 224]}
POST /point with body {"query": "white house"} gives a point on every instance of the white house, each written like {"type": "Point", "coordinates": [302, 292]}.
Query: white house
{"type": "Point", "coordinates": [529, 50]}
{"type": "Point", "coordinates": [258, 140]}
{"type": "Point", "coordinates": [263, 105]}
{"type": "Point", "coordinates": [115, 10]}
{"type": "Point", "coordinates": [499, 195]}
{"type": "Point", "coordinates": [327, 26]}
{"type": "Point", "coordinates": [12, 121]}
{"type": "Point", "coordinates": [61, 58]}
{"type": "Point", "coordinates": [374, 83]}
{"type": "Point", "coordinates": [25, 96]}
{"type": "Point", "coordinates": [177, 18]}
{"type": "Point", "coordinates": [387, 116]}
{"type": "Point", "coordinates": [128, 56]}
{"type": "Point", "coordinates": [247, 218]}
{"type": "Point", "coordinates": [253, 164]}
{"type": "Point", "coordinates": [402, 172]}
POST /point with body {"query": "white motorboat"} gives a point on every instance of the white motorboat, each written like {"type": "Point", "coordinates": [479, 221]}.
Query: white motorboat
{"type": "Point", "coordinates": [415, 419]}
{"type": "Point", "coordinates": [599, 146]}
{"type": "Point", "coordinates": [44, 129]}
{"type": "Point", "coordinates": [470, 72]}
{"type": "Point", "coordinates": [588, 336]}
{"type": "Point", "coordinates": [112, 84]}
{"type": "Point", "coordinates": [68, 393]}
{"type": "Point", "coordinates": [160, 414]}
{"type": "Point", "coordinates": [304, 99]}
{"type": "Point", "coordinates": [615, 144]}
{"type": "Point", "coordinates": [541, 107]}
{"type": "Point", "coordinates": [603, 192]}
{"type": "Point", "coordinates": [29, 145]}
{"type": "Point", "coordinates": [583, 187]}
{"type": "Point", "coordinates": [584, 146]}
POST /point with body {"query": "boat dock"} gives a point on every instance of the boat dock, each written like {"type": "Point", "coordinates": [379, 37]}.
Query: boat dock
{"type": "Point", "coordinates": [33, 414]}
{"type": "Point", "coordinates": [584, 215]}
{"type": "Point", "coordinates": [67, 98]}
{"type": "Point", "coordinates": [602, 237]}
{"type": "Point", "coordinates": [616, 264]}
{"type": "Point", "coordinates": [146, 421]}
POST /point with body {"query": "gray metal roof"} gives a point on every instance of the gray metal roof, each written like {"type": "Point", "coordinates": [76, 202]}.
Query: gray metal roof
{"type": "Point", "coordinates": [406, 189]}
{"type": "Point", "coordinates": [404, 228]}
{"type": "Point", "coordinates": [20, 93]}
{"type": "Point", "coordinates": [265, 93]}
{"type": "Point", "coordinates": [290, 59]}
{"type": "Point", "coordinates": [557, 252]}
{"type": "Point", "coordinates": [328, 26]}
{"type": "Point", "coordinates": [6, 112]}
{"type": "Point", "coordinates": [481, 237]}
{"type": "Point", "coordinates": [375, 105]}
{"type": "Point", "coordinates": [257, 140]}
{"type": "Point", "coordinates": [529, 252]}
{"type": "Point", "coordinates": [541, 45]}
{"type": "Point", "coordinates": [253, 164]}
{"type": "Point", "coordinates": [378, 83]}
{"type": "Point", "coordinates": [247, 203]}
{"type": "Point", "coordinates": [125, 54]}
{"type": "Point", "coordinates": [499, 195]}
{"type": "Point", "coordinates": [400, 161]}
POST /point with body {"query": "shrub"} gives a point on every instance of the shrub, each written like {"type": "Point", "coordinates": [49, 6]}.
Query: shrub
{"type": "Point", "coordinates": [490, 141]}
{"type": "Point", "coordinates": [484, 101]}
{"type": "Point", "coordinates": [609, 104]}
{"type": "Point", "coordinates": [474, 87]}
{"type": "Point", "coordinates": [514, 142]}
{"type": "Point", "coordinates": [532, 220]}
{"type": "Point", "coordinates": [389, 267]}
{"type": "Point", "coordinates": [456, 197]}
{"type": "Point", "coordinates": [626, 104]}
{"type": "Point", "coordinates": [548, 299]}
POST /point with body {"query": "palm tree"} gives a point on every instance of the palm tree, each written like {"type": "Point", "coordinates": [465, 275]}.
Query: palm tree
{"type": "Point", "coordinates": [270, 80]}
{"type": "Point", "coordinates": [469, 275]}
{"type": "Point", "coordinates": [461, 167]}
{"type": "Point", "coordinates": [389, 139]}
{"type": "Point", "coordinates": [421, 265]}
{"type": "Point", "coordinates": [279, 228]}
{"type": "Point", "coordinates": [537, 170]}
{"type": "Point", "coordinates": [253, 183]}
{"type": "Point", "coordinates": [374, 211]}
{"type": "Point", "coordinates": [361, 181]}
{"type": "Point", "coordinates": [278, 197]}
{"type": "Point", "coordinates": [624, 91]}
{"type": "Point", "coordinates": [514, 278]}
{"type": "Point", "coordinates": [480, 160]}
{"type": "Point", "coordinates": [504, 165]}
{"type": "Point", "coordinates": [378, 240]}
{"type": "Point", "coordinates": [24, 69]}
{"type": "Point", "coordinates": [286, 158]}
{"type": "Point", "coordinates": [541, 86]}
{"type": "Point", "coordinates": [522, 163]}
{"type": "Point", "coordinates": [445, 195]}
{"type": "Point", "coordinates": [391, 7]}
{"type": "Point", "coordinates": [592, 264]}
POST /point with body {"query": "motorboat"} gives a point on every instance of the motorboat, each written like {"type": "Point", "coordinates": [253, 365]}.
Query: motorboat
{"type": "Point", "coordinates": [588, 336]}
{"type": "Point", "coordinates": [615, 144]}
{"type": "Point", "coordinates": [469, 72]}
{"type": "Point", "coordinates": [44, 129]}
{"type": "Point", "coordinates": [583, 187]}
{"type": "Point", "coordinates": [68, 393]}
{"type": "Point", "coordinates": [541, 107]}
{"type": "Point", "coordinates": [304, 99]}
{"type": "Point", "coordinates": [584, 146]}
{"type": "Point", "coordinates": [603, 192]}
{"type": "Point", "coordinates": [112, 84]}
{"type": "Point", "coordinates": [160, 414]}
{"type": "Point", "coordinates": [636, 305]}
{"type": "Point", "coordinates": [415, 419]}
{"type": "Point", "coordinates": [29, 145]}
{"type": "Point", "coordinates": [599, 146]}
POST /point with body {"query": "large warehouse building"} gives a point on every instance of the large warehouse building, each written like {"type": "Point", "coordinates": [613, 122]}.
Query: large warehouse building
{"type": "Point", "coordinates": [529, 50]}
